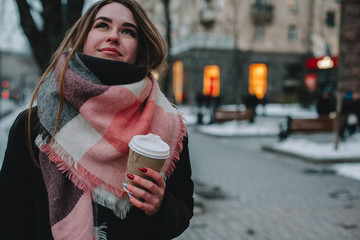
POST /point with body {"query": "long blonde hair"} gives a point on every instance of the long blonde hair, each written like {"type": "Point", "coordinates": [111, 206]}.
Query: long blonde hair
{"type": "Point", "coordinates": [150, 54]}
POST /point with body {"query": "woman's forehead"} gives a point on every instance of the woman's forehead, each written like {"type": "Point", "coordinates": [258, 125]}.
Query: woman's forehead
{"type": "Point", "coordinates": [116, 12]}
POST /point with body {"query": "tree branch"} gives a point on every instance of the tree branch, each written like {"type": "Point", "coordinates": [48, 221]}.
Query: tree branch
{"type": "Point", "coordinates": [44, 42]}
{"type": "Point", "coordinates": [26, 20]}
{"type": "Point", "coordinates": [53, 25]}
{"type": "Point", "coordinates": [74, 8]}
{"type": "Point", "coordinates": [34, 35]}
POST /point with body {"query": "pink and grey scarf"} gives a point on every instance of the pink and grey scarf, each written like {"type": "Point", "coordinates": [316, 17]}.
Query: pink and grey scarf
{"type": "Point", "coordinates": [91, 143]}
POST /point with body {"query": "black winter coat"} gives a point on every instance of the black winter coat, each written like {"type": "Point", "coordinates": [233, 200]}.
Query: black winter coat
{"type": "Point", "coordinates": [24, 212]}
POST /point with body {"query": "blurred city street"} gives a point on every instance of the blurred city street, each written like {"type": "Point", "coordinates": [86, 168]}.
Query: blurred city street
{"type": "Point", "coordinates": [261, 66]}
{"type": "Point", "coordinates": [245, 193]}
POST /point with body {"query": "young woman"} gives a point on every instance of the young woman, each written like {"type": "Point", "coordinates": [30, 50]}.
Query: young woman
{"type": "Point", "coordinates": [64, 167]}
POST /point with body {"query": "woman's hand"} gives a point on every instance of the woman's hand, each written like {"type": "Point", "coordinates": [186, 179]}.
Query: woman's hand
{"type": "Point", "coordinates": [155, 194]}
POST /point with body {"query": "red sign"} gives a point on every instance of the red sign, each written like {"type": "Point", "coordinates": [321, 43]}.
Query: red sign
{"type": "Point", "coordinates": [322, 63]}
{"type": "Point", "coordinates": [311, 81]}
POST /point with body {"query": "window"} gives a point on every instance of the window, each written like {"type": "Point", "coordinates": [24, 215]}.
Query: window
{"type": "Point", "coordinates": [220, 4]}
{"type": "Point", "coordinates": [292, 78]}
{"type": "Point", "coordinates": [293, 5]}
{"type": "Point", "coordinates": [260, 2]}
{"type": "Point", "coordinates": [178, 70]}
{"type": "Point", "coordinates": [293, 71]}
{"type": "Point", "coordinates": [211, 81]}
{"type": "Point", "coordinates": [259, 32]}
{"type": "Point", "coordinates": [258, 79]}
{"type": "Point", "coordinates": [292, 34]}
{"type": "Point", "coordinates": [330, 19]}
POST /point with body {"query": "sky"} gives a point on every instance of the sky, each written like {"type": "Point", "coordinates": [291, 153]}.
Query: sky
{"type": "Point", "coordinates": [12, 38]}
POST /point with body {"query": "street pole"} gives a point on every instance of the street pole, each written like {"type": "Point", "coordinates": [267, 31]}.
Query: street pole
{"type": "Point", "coordinates": [1, 78]}
{"type": "Point", "coordinates": [339, 90]}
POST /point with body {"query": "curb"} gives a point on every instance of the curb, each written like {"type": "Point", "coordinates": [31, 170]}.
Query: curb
{"type": "Point", "coordinates": [311, 159]}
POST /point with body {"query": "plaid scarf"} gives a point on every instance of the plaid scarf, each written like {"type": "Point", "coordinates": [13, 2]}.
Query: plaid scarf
{"type": "Point", "coordinates": [91, 143]}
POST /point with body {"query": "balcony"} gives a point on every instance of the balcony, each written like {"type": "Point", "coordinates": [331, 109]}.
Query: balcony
{"type": "Point", "coordinates": [262, 13]}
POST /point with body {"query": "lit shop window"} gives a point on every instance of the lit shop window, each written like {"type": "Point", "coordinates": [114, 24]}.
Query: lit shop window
{"type": "Point", "coordinates": [178, 73]}
{"type": "Point", "coordinates": [258, 79]}
{"type": "Point", "coordinates": [211, 80]}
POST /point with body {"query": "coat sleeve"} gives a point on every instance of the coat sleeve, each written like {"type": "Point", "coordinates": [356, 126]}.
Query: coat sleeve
{"type": "Point", "coordinates": [177, 208]}
{"type": "Point", "coordinates": [16, 185]}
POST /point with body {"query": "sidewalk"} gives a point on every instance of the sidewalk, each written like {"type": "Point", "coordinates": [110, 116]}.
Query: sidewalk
{"type": "Point", "coordinates": [245, 193]}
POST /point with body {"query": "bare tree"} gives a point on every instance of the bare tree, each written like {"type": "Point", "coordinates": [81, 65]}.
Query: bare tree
{"type": "Point", "coordinates": [167, 78]}
{"type": "Point", "coordinates": [57, 17]}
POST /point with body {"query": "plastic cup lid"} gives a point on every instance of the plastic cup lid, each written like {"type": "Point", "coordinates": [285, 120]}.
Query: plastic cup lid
{"type": "Point", "coordinates": [150, 145]}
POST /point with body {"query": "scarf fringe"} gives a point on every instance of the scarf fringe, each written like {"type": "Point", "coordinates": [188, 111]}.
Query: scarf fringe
{"type": "Point", "coordinates": [66, 164]}
{"type": "Point", "coordinates": [100, 233]}
{"type": "Point", "coordinates": [178, 149]}
{"type": "Point", "coordinates": [119, 206]}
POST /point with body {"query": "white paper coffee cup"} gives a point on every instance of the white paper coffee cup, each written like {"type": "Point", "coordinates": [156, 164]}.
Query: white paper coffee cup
{"type": "Point", "coordinates": [147, 151]}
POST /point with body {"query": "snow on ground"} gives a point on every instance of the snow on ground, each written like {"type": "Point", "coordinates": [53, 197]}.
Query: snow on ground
{"type": "Point", "coordinates": [322, 150]}
{"type": "Point", "coordinates": [284, 110]}
{"type": "Point", "coordinates": [351, 170]}
{"type": "Point", "coordinates": [6, 122]}
{"type": "Point", "coordinates": [262, 127]}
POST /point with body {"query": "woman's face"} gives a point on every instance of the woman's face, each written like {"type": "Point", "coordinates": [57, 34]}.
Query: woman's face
{"type": "Point", "coordinates": [113, 35]}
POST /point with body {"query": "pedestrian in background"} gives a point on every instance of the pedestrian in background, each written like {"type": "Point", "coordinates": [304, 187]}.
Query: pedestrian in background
{"type": "Point", "coordinates": [351, 122]}
{"type": "Point", "coordinates": [97, 93]}
{"type": "Point", "coordinates": [251, 101]}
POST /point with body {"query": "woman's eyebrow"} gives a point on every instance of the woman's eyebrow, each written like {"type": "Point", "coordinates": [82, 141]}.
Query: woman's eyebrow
{"type": "Point", "coordinates": [103, 18]}
{"type": "Point", "coordinates": [125, 24]}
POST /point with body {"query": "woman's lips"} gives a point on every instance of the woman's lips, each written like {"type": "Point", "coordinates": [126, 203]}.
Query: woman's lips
{"type": "Point", "coordinates": [110, 51]}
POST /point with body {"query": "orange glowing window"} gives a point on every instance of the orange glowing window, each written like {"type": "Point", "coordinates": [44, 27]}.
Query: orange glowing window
{"type": "Point", "coordinates": [258, 79]}
{"type": "Point", "coordinates": [211, 80]}
{"type": "Point", "coordinates": [178, 70]}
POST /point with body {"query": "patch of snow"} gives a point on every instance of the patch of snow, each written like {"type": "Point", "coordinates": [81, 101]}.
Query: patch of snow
{"type": "Point", "coordinates": [262, 127]}
{"type": "Point", "coordinates": [321, 150]}
{"type": "Point", "coordinates": [351, 170]}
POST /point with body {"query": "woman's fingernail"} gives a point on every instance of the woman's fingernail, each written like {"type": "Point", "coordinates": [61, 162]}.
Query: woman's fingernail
{"type": "Point", "coordinates": [125, 185]}
{"type": "Point", "coordinates": [144, 170]}
{"type": "Point", "coordinates": [130, 176]}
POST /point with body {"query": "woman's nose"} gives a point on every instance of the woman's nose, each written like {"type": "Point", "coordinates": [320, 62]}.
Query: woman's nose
{"type": "Point", "coordinates": [113, 37]}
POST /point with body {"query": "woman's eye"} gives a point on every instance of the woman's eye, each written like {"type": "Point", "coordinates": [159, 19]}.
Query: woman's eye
{"type": "Point", "coordinates": [102, 25]}
{"type": "Point", "coordinates": [129, 32]}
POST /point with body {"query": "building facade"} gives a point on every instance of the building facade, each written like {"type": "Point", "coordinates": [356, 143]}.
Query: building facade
{"type": "Point", "coordinates": [231, 48]}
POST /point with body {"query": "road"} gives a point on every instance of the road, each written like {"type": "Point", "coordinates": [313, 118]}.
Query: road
{"type": "Point", "coordinates": [249, 194]}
